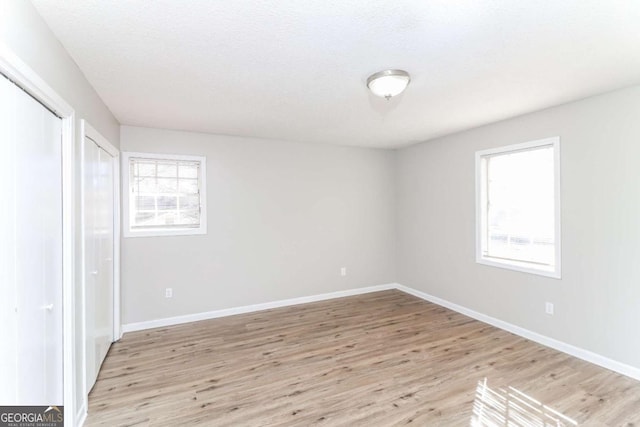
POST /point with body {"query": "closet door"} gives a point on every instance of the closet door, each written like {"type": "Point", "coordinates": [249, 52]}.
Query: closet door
{"type": "Point", "coordinates": [99, 246]}
{"type": "Point", "coordinates": [104, 289]}
{"type": "Point", "coordinates": [30, 250]}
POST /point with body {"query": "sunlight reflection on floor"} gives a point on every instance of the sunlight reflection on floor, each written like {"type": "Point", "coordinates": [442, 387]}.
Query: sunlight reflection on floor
{"type": "Point", "coordinates": [509, 407]}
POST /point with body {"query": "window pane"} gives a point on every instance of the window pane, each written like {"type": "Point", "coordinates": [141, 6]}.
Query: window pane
{"type": "Point", "coordinates": [189, 202]}
{"type": "Point", "coordinates": [144, 218]}
{"type": "Point", "coordinates": [167, 185]}
{"type": "Point", "coordinates": [146, 168]}
{"type": "Point", "coordinates": [188, 170]}
{"type": "Point", "coordinates": [145, 203]}
{"type": "Point", "coordinates": [167, 203]}
{"type": "Point", "coordinates": [190, 217]}
{"type": "Point", "coordinates": [188, 186]}
{"type": "Point", "coordinates": [167, 170]}
{"type": "Point", "coordinates": [167, 218]}
{"type": "Point", "coordinates": [520, 195]}
{"type": "Point", "coordinates": [144, 185]}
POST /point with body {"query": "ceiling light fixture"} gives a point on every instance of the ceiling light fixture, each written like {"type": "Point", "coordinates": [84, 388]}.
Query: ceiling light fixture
{"type": "Point", "coordinates": [388, 83]}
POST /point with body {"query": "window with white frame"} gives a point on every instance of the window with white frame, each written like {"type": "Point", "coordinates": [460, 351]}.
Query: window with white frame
{"type": "Point", "coordinates": [165, 195]}
{"type": "Point", "coordinates": [518, 207]}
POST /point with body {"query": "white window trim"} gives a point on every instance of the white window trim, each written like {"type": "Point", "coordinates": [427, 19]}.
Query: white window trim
{"type": "Point", "coordinates": [556, 271]}
{"type": "Point", "coordinates": [187, 231]}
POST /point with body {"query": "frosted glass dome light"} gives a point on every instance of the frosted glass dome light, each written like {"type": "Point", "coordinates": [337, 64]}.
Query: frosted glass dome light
{"type": "Point", "coordinates": [388, 83]}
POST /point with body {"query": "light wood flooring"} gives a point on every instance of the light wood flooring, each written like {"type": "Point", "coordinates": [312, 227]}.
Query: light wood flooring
{"type": "Point", "coordinates": [380, 359]}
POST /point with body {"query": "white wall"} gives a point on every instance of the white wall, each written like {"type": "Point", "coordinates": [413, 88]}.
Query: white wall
{"type": "Point", "coordinates": [597, 301]}
{"type": "Point", "coordinates": [282, 219]}
{"type": "Point", "coordinates": [29, 37]}
{"type": "Point", "coordinates": [24, 32]}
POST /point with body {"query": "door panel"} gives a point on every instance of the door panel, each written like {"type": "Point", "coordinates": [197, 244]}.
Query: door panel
{"type": "Point", "coordinates": [8, 305]}
{"type": "Point", "coordinates": [31, 231]}
{"type": "Point", "coordinates": [99, 245]}
{"type": "Point", "coordinates": [90, 179]}
{"type": "Point", "coordinates": [52, 250]}
{"type": "Point", "coordinates": [104, 289]}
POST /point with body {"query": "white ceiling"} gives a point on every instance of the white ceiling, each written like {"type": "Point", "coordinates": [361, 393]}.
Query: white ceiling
{"type": "Point", "coordinates": [296, 69]}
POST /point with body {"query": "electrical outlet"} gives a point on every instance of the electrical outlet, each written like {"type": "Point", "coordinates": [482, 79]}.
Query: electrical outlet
{"type": "Point", "coordinates": [168, 293]}
{"type": "Point", "coordinates": [343, 271]}
{"type": "Point", "coordinates": [548, 308]}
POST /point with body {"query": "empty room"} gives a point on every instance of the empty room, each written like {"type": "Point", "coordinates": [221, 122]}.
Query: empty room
{"type": "Point", "coordinates": [279, 213]}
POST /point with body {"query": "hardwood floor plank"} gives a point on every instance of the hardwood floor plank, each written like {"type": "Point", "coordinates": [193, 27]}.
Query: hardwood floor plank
{"type": "Point", "coordinates": [382, 359]}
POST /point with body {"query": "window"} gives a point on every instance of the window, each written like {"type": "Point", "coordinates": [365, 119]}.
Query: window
{"type": "Point", "coordinates": [165, 195]}
{"type": "Point", "coordinates": [518, 207]}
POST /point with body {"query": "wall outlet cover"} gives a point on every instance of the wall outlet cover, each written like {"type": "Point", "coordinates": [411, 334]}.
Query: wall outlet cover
{"type": "Point", "coordinates": [548, 308]}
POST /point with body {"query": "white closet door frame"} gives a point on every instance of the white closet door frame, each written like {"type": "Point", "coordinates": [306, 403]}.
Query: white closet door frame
{"type": "Point", "coordinates": [89, 132]}
{"type": "Point", "coordinates": [21, 74]}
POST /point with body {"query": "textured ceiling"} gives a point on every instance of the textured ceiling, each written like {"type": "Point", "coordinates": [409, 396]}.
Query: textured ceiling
{"type": "Point", "coordinates": [296, 70]}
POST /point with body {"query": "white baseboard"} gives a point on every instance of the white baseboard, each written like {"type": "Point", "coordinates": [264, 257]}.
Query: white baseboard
{"type": "Point", "coordinates": [580, 353]}
{"type": "Point", "coordinates": [158, 323]}
{"type": "Point", "coordinates": [572, 350]}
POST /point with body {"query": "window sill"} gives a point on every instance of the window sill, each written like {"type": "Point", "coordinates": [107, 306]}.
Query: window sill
{"type": "Point", "coordinates": [522, 267]}
{"type": "Point", "coordinates": [164, 233]}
